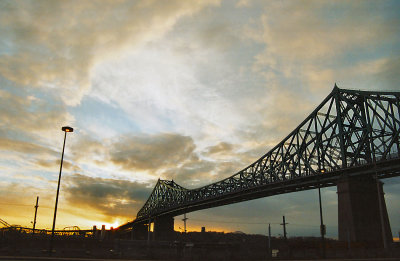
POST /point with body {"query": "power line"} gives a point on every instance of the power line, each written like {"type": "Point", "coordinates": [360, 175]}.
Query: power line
{"type": "Point", "coordinates": [22, 205]}
{"type": "Point", "coordinates": [255, 223]}
{"type": "Point", "coordinates": [13, 204]}
{"type": "Point", "coordinates": [233, 222]}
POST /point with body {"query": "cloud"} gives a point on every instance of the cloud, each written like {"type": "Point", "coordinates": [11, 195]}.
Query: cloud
{"type": "Point", "coordinates": [191, 81]}
{"type": "Point", "coordinates": [166, 156]}
{"type": "Point", "coordinates": [31, 156]}
{"type": "Point", "coordinates": [222, 147]}
{"type": "Point", "coordinates": [53, 164]}
{"type": "Point", "coordinates": [170, 101]}
{"type": "Point", "coordinates": [200, 171]}
{"type": "Point", "coordinates": [24, 147]}
{"type": "Point", "coordinates": [89, 150]}
{"type": "Point", "coordinates": [56, 43]}
{"type": "Point", "coordinates": [310, 46]}
{"type": "Point", "coordinates": [375, 74]}
{"type": "Point", "coordinates": [162, 155]}
{"type": "Point", "coordinates": [30, 130]}
{"type": "Point", "coordinates": [192, 173]}
{"type": "Point", "coordinates": [319, 30]}
{"type": "Point", "coordinates": [151, 152]}
{"type": "Point", "coordinates": [388, 74]}
{"type": "Point", "coordinates": [113, 198]}
{"type": "Point", "coordinates": [35, 117]}
{"type": "Point", "coordinates": [243, 3]}
{"type": "Point", "coordinates": [319, 43]}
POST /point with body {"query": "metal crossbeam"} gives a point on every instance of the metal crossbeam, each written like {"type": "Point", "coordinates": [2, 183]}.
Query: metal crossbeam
{"type": "Point", "coordinates": [350, 133]}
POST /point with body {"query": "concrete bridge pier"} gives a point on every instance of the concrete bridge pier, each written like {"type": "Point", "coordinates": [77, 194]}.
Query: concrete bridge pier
{"type": "Point", "coordinates": [359, 213]}
{"type": "Point", "coordinates": [164, 228]}
{"type": "Point", "coordinates": [139, 232]}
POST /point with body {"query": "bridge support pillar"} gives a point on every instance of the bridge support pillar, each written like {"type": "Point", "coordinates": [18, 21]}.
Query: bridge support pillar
{"type": "Point", "coordinates": [164, 228]}
{"type": "Point", "coordinates": [359, 213]}
{"type": "Point", "coordinates": [139, 232]}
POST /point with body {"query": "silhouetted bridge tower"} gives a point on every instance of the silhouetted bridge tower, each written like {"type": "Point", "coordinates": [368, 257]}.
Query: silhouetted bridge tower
{"type": "Point", "coordinates": [351, 140]}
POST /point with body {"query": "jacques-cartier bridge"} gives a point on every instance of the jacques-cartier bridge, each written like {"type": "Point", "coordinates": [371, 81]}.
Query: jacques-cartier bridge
{"type": "Point", "coordinates": [351, 140]}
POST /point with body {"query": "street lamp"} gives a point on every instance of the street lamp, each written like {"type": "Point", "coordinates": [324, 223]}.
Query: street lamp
{"type": "Point", "coordinates": [65, 129]}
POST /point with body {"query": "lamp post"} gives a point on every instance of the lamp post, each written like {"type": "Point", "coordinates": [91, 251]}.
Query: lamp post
{"type": "Point", "coordinates": [65, 129]}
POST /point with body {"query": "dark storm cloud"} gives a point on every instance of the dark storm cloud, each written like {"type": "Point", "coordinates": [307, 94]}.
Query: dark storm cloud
{"type": "Point", "coordinates": [110, 196]}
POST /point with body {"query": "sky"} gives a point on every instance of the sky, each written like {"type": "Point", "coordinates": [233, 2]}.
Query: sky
{"type": "Point", "coordinates": [192, 91]}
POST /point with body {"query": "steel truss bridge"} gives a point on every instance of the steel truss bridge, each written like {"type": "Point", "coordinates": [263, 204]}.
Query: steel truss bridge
{"type": "Point", "coordinates": [351, 133]}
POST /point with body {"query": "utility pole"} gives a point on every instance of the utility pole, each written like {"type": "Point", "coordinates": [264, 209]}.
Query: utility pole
{"type": "Point", "coordinates": [34, 220]}
{"type": "Point", "coordinates": [184, 222]}
{"type": "Point", "coordinates": [269, 241]}
{"type": "Point", "coordinates": [284, 228]}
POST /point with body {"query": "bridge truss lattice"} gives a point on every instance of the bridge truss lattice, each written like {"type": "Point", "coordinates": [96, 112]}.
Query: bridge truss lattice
{"type": "Point", "coordinates": [351, 131]}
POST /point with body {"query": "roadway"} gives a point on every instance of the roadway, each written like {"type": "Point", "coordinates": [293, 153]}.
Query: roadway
{"type": "Point", "coordinates": [25, 258]}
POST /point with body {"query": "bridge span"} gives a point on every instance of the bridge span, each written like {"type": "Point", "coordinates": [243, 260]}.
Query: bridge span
{"type": "Point", "coordinates": [351, 140]}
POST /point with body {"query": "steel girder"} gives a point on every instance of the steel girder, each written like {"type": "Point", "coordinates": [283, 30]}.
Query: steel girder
{"type": "Point", "coordinates": [349, 132]}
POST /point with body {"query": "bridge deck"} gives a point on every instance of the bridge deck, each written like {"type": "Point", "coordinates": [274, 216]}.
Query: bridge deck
{"type": "Point", "coordinates": [386, 169]}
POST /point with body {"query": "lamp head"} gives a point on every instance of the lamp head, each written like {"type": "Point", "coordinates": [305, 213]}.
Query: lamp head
{"type": "Point", "coordinates": [67, 129]}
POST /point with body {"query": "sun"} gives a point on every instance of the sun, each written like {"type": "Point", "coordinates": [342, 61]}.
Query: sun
{"type": "Point", "coordinates": [108, 226]}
